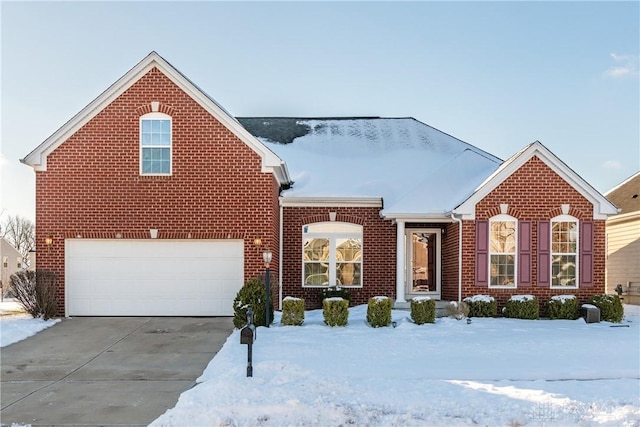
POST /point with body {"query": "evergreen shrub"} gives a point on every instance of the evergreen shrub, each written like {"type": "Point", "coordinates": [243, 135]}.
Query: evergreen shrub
{"type": "Point", "coordinates": [253, 294]}
{"type": "Point", "coordinates": [610, 306]}
{"type": "Point", "coordinates": [522, 307]}
{"type": "Point", "coordinates": [335, 311]}
{"type": "Point", "coordinates": [335, 291]}
{"type": "Point", "coordinates": [563, 307]}
{"type": "Point", "coordinates": [292, 311]}
{"type": "Point", "coordinates": [482, 306]}
{"type": "Point", "coordinates": [423, 310]}
{"type": "Point", "coordinates": [379, 311]}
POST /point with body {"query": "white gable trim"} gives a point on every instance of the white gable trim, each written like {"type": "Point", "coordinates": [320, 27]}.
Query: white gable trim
{"type": "Point", "coordinates": [270, 161]}
{"type": "Point", "coordinates": [602, 208]}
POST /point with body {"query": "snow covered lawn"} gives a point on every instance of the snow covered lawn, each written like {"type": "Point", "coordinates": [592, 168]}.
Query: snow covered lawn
{"type": "Point", "coordinates": [496, 372]}
{"type": "Point", "coordinates": [15, 325]}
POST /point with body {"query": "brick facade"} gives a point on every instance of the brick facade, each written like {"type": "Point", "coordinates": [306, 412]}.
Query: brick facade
{"type": "Point", "coordinates": [92, 187]}
{"type": "Point", "coordinates": [534, 193]}
{"type": "Point", "coordinates": [378, 252]}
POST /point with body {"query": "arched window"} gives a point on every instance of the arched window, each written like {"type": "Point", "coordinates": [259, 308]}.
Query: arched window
{"type": "Point", "coordinates": [155, 144]}
{"type": "Point", "coordinates": [564, 251]}
{"type": "Point", "coordinates": [332, 254]}
{"type": "Point", "coordinates": [503, 237]}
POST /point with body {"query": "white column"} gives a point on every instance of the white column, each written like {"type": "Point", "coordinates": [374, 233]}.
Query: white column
{"type": "Point", "coordinates": [400, 261]}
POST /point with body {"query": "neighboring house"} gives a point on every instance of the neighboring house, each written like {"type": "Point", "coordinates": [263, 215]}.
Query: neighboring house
{"type": "Point", "coordinates": [623, 240]}
{"type": "Point", "coordinates": [11, 263]}
{"type": "Point", "coordinates": [156, 201]}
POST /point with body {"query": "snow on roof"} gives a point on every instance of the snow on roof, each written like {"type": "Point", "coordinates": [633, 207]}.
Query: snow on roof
{"type": "Point", "coordinates": [414, 167]}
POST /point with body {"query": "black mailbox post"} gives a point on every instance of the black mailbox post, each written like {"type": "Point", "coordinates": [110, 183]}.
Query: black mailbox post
{"type": "Point", "coordinates": [248, 336]}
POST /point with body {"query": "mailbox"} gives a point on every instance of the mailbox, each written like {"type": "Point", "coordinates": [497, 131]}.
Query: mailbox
{"type": "Point", "coordinates": [248, 334]}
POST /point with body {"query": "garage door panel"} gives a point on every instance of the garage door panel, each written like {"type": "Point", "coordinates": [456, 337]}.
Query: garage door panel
{"type": "Point", "coordinates": [153, 277]}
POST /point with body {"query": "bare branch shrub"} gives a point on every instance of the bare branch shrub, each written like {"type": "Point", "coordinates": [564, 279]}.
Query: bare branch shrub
{"type": "Point", "coordinates": [36, 292]}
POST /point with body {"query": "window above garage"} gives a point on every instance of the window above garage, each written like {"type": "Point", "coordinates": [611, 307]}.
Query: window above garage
{"type": "Point", "coordinates": [155, 144]}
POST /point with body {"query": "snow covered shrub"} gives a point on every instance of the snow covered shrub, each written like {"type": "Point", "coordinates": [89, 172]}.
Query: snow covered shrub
{"type": "Point", "coordinates": [253, 294]}
{"type": "Point", "coordinates": [522, 307]}
{"type": "Point", "coordinates": [292, 311]}
{"type": "Point", "coordinates": [423, 310]}
{"type": "Point", "coordinates": [335, 311]}
{"type": "Point", "coordinates": [457, 310]}
{"type": "Point", "coordinates": [611, 309]}
{"type": "Point", "coordinates": [36, 292]}
{"type": "Point", "coordinates": [563, 307]}
{"type": "Point", "coordinates": [336, 291]}
{"type": "Point", "coordinates": [379, 311]}
{"type": "Point", "coordinates": [482, 306]}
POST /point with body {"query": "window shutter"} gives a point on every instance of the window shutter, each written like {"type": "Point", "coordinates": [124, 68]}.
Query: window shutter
{"type": "Point", "coordinates": [586, 254]}
{"type": "Point", "coordinates": [544, 253]}
{"type": "Point", "coordinates": [482, 253]}
{"type": "Point", "coordinates": [524, 253]}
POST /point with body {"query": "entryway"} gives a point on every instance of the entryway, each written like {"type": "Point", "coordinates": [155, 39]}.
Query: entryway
{"type": "Point", "coordinates": [423, 268]}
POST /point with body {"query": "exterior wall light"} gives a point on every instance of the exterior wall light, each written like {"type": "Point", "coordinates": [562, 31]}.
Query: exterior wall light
{"type": "Point", "coordinates": [267, 256]}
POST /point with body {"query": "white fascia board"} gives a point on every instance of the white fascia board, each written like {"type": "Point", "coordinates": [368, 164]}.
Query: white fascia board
{"type": "Point", "coordinates": [418, 217]}
{"type": "Point", "coordinates": [38, 157]}
{"type": "Point", "coordinates": [270, 161]}
{"type": "Point", "coordinates": [602, 208]}
{"type": "Point", "coordinates": [357, 202]}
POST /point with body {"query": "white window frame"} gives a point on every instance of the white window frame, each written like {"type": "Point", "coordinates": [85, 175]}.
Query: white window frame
{"type": "Point", "coordinates": [565, 218]}
{"type": "Point", "coordinates": [504, 218]}
{"type": "Point", "coordinates": [151, 117]}
{"type": "Point", "coordinates": [332, 262]}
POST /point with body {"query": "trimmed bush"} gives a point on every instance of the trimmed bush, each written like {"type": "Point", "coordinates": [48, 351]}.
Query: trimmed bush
{"type": "Point", "coordinates": [36, 292]}
{"type": "Point", "coordinates": [292, 311]}
{"type": "Point", "coordinates": [253, 294]}
{"type": "Point", "coordinates": [335, 311]}
{"type": "Point", "coordinates": [522, 307]}
{"type": "Point", "coordinates": [611, 309]}
{"type": "Point", "coordinates": [482, 306]}
{"type": "Point", "coordinates": [336, 292]}
{"type": "Point", "coordinates": [423, 310]}
{"type": "Point", "coordinates": [457, 311]}
{"type": "Point", "coordinates": [563, 307]}
{"type": "Point", "coordinates": [379, 311]}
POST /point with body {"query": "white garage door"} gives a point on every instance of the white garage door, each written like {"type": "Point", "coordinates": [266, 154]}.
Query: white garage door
{"type": "Point", "coordinates": [152, 277]}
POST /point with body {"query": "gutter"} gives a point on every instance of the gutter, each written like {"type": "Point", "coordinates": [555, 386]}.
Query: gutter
{"type": "Point", "coordinates": [459, 221]}
{"type": "Point", "coordinates": [280, 245]}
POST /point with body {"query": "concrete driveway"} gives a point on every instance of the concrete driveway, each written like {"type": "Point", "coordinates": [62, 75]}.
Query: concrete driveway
{"type": "Point", "coordinates": [106, 370]}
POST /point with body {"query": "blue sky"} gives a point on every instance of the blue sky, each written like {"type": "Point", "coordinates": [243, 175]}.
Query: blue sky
{"type": "Point", "coordinates": [498, 75]}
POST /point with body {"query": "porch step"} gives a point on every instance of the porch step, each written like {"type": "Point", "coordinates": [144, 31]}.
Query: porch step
{"type": "Point", "coordinates": [441, 307]}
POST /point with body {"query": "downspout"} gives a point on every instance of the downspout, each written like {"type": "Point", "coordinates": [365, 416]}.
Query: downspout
{"type": "Point", "coordinates": [280, 233]}
{"type": "Point", "coordinates": [459, 221]}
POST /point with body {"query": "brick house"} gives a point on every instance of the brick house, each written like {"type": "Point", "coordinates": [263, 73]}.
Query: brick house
{"type": "Point", "coordinates": [154, 200]}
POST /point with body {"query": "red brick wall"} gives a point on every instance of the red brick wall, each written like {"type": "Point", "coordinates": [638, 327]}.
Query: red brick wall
{"type": "Point", "coordinates": [534, 193]}
{"type": "Point", "coordinates": [378, 249]}
{"type": "Point", "coordinates": [450, 240]}
{"type": "Point", "coordinates": [93, 188]}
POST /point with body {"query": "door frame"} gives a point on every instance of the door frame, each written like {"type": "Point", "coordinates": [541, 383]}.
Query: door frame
{"type": "Point", "coordinates": [409, 260]}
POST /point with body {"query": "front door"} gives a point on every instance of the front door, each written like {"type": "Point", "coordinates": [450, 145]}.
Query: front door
{"type": "Point", "coordinates": [423, 259]}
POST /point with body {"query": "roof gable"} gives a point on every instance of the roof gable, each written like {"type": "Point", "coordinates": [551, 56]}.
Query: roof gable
{"type": "Point", "coordinates": [602, 207]}
{"type": "Point", "coordinates": [270, 161]}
